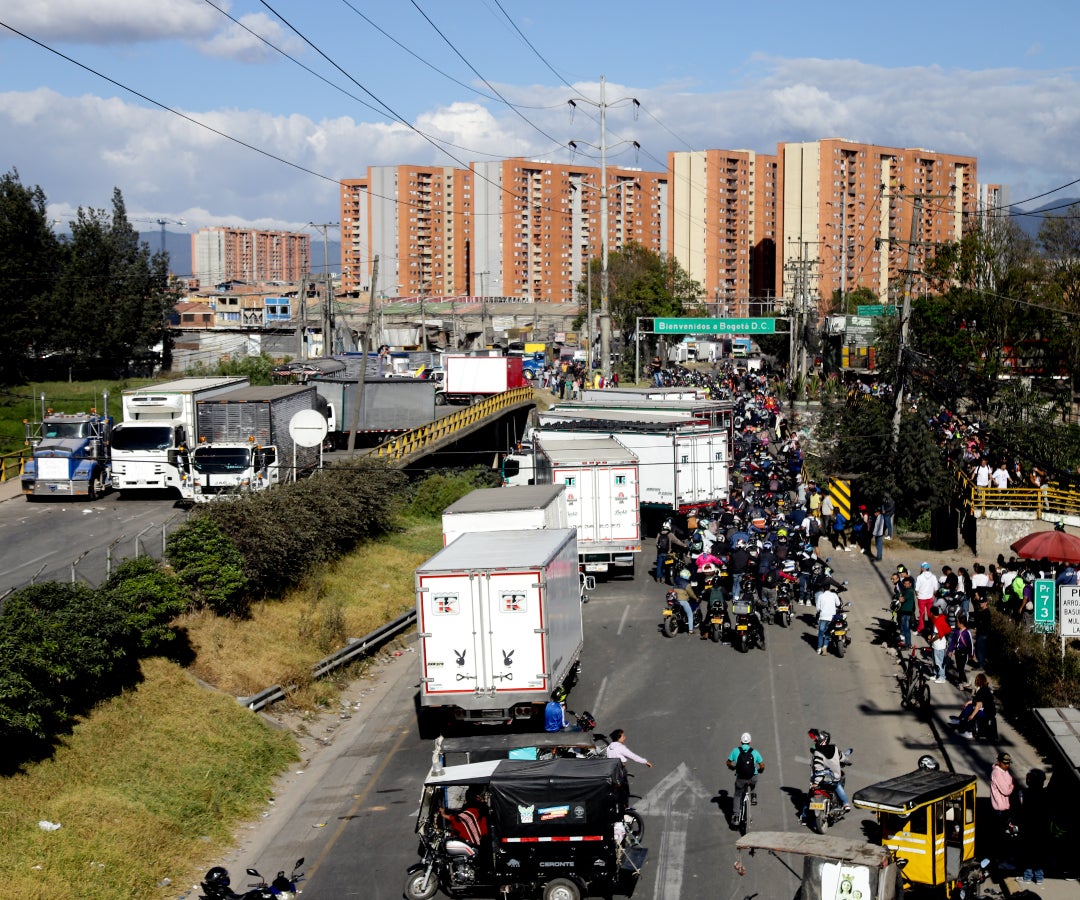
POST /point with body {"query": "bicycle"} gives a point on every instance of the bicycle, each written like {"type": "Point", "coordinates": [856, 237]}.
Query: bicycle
{"type": "Point", "coordinates": [914, 686]}
{"type": "Point", "coordinates": [742, 817]}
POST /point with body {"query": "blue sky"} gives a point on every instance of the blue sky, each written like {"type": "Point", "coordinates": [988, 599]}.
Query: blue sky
{"type": "Point", "coordinates": [991, 79]}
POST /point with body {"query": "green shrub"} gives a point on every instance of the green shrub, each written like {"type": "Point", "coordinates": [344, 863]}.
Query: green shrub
{"type": "Point", "coordinates": [1031, 667]}
{"type": "Point", "coordinates": [438, 491]}
{"type": "Point", "coordinates": [208, 563]}
{"type": "Point", "coordinates": [150, 599]}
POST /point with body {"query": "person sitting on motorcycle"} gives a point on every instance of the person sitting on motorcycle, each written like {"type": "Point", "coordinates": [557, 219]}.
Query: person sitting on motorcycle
{"type": "Point", "coordinates": [469, 823]}
{"type": "Point", "coordinates": [684, 594]}
{"type": "Point", "coordinates": [825, 767]}
{"type": "Point", "coordinates": [737, 563]}
{"type": "Point", "coordinates": [555, 713]}
{"type": "Point", "coordinates": [747, 764]}
{"type": "Point", "coordinates": [666, 542]}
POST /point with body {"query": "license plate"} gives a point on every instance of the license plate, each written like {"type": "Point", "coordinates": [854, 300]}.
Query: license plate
{"type": "Point", "coordinates": [666, 612]}
{"type": "Point", "coordinates": [840, 632]}
{"type": "Point", "coordinates": [741, 627]}
{"type": "Point", "coordinates": [595, 567]}
{"type": "Point", "coordinates": [817, 804]}
{"type": "Point", "coordinates": [783, 608]}
{"type": "Point", "coordinates": [717, 621]}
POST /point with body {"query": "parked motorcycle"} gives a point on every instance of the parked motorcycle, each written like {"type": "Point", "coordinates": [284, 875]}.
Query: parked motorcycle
{"type": "Point", "coordinates": [839, 639]}
{"type": "Point", "coordinates": [823, 807]}
{"type": "Point", "coordinates": [972, 875]}
{"type": "Point", "coordinates": [216, 885]}
{"type": "Point", "coordinates": [674, 616]}
{"type": "Point", "coordinates": [913, 682]}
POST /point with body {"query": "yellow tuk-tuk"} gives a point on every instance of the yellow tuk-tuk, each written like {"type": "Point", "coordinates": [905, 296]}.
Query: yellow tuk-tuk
{"type": "Point", "coordinates": [927, 819]}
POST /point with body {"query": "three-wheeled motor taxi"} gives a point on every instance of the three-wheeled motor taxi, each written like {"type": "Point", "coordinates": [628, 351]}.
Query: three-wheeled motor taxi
{"type": "Point", "coordinates": [550, 829]}
{"type": "Point", "coordinates": [927, 820]}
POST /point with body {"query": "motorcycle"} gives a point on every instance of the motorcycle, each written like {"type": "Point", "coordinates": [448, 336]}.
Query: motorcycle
{"type": "Point", "coordinates": [839, 639]}
{"type": "Point", "coordinates": [972, 875]}
{"type": "Point", "coordinates": [785, 600]}
{"type": "Point", "coordinates": [215, 885]}
{"type": "Point", "coordinates": [823, 807]}
{"type": "Point", "coordinates": [717, 618]}
{"type": "Point", "coordinates": [748, 630]}
{"type": "Point", "coordinates": [674, 616]}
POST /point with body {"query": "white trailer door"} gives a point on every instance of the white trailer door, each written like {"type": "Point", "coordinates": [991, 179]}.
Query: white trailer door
{"type": "Point", "coordinates": [452, 643]}
{"type": "Point", "coordinates": [515, 635]}
{"type": "Point", "coordinates": [701, 468]}
{"type": "Point", "coordinates": [601, 503]}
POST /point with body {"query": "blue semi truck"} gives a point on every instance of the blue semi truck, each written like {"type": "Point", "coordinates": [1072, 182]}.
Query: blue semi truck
{"type": "Point", "coordinates": [71, 454]}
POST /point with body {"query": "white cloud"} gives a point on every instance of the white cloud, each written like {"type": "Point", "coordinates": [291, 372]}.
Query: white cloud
{"type": "Point", "coordinates": [240, 44]}
{"type": "Point", "coordinates": [113, 21]}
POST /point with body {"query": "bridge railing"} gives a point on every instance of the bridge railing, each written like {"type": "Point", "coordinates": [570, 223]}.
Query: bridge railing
{"type": "Point", "coordinates": [11, 464]}
{"type": "Point", "coordinates": [1054, 500]}
{"type": "Point", "coordinates": [425, 436]}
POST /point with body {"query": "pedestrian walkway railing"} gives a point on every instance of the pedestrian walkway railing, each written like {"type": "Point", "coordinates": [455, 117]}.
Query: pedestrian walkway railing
{"type": "Point", "coordinates": [428, 435]}
{"type": "Point", "coordinates": [11, 464]}
{"type": "Point", "coordinates": [1054, 500]}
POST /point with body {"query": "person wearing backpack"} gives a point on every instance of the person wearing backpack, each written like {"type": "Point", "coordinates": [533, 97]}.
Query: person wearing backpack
{"type": "Point", "coordinates": [747, 764]}
{"type": "Point", "coordinates": [961, 647]}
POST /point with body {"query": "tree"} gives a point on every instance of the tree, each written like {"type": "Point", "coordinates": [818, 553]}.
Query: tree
{"type": "Point", "coordinates": [29, 268]}
{"type": "Point", "coordinates": [113, 296]}
{"type": "Point", "coordinates": [644, 284]}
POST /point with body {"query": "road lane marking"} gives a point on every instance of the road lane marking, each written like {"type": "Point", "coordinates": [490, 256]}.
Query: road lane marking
{"type": "Point", "coordinates": [622, 621]}
{"type": "Point", "coordinates": [669, 801]}
{"type": "Point", "coordinates": [600, 695]}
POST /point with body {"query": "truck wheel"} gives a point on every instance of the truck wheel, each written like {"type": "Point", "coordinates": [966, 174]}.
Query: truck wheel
{"type": "Point", "coordinates": [440, 399]}
{"type": "Point", "coordinates": [670, 626]}
{"type": "Point", "coordinates": [561, 889]}
{"type": "Point", "coordinates": [420, 886]}
{"type": "Point", "coordinates": [97, 488]}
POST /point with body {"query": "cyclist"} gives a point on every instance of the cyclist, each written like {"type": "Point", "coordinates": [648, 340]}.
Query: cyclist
{"type": "Point", "coordinates": [747, 764]}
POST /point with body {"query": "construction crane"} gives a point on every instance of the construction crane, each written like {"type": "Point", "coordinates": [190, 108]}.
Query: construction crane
{"type": "Point", "coordinates": [162, 221]}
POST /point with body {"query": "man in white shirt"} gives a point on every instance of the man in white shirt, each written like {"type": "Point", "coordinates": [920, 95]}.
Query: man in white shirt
{"type": "Point", "coordinates": [1001, 477]}
{"type": "Point", "coordinates": [828, 602]}
{"type": "Point", "coordinates": [926, 586]}
{"type": "Point", "coordinates": [982, 473]}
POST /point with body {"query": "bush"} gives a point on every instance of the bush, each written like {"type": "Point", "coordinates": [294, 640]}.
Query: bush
{"type": "Point", "coordinates": [1032, 670]}
{"type": "Point", "coordinates": [209, 565]}
{"type": "Point", "coordinates": [150, 598]}
{"type": "Point", "coordinates": [438, 491]}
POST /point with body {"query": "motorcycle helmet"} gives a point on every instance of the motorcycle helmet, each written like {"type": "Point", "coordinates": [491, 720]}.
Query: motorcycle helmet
{"type": "Point", "coordinates": [217, 877]}
{"type": "Point", "coordinates": [558, 695]}
{"type": "Point", "coordinates": [927, 762]}
{"type": "Point", "coordinates": [684, 573]}
{"type": "Point", "coordinates": [819, 737]}
{"type": "Point", "coordinates": [740, 544]}
{"type": "Point", "coordinates": [767, 545]}
{"type": "Point", "coordinates": [817, 569]}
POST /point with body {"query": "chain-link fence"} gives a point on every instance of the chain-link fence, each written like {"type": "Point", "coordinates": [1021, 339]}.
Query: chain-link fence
{"type": "Point", "coordinates": [94, 564]}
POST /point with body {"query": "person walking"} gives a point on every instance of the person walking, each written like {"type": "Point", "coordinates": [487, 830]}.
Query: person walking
{"type": "Point", "coordinates": [926, 586]}
{"type": "Point", "coordinates": [961, 646]}
{"type": "Point", "coordinates": [828, 603]}
{"type": "Point", "coordinates": [617, 749]}
{"type": "Point", "coordinates": [879, 533]}
{"type": "Point", "coordinates": [1001, 792]}
{"type": "Point", "coordinates": [888, 508]}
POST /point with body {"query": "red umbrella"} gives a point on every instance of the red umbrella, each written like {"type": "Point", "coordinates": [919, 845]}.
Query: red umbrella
{"type": "Point", "coordinates": [1056, 546]}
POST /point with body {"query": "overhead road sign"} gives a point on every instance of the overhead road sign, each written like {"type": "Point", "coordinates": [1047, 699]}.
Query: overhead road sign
{"type": "Point", "coordinates": [877, 309]}
{"type": "Point", "coordinates": [714, 326]}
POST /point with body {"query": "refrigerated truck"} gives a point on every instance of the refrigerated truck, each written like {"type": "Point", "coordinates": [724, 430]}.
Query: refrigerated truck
{"type": "Point", "coordinates": [520, 508]}
{"type": "Point", "coordinates": [472, 378]}
{"type": "Point", "coordinates": [499, 624]}
{"type": "Point", "coordinates": [601, 479]}
{"type": "Point", "coordinates": [159, 425]}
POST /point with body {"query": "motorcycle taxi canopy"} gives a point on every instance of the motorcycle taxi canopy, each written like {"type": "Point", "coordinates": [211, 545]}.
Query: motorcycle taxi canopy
{"type": "Point", "coordinates": [902, 794]}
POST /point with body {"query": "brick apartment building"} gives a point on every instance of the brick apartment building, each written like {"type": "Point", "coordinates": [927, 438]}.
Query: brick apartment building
{"type": "Point", "coordinates": [222, 254]}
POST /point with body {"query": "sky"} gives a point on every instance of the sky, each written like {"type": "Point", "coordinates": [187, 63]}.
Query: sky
{"type": "Point", "coordinates": [247, 113]}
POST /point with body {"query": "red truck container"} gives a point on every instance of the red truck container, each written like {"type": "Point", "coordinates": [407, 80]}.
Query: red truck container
{"type": "Point", "coordinates": [472, 378]}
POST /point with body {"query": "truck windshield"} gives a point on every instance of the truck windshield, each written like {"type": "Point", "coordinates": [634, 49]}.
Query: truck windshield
{"type": "Point", "coordinates": [61, 430]}
{"type": "Point", "coordinates": [221, 460]}
{"type": "Point", "coordinates": [158, 437]}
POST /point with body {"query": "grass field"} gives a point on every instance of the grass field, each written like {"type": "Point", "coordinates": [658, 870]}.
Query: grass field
{"type": "Point", "coordinates": [152, 785]}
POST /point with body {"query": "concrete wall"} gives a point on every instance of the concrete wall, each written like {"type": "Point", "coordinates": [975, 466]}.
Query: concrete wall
{"type": "Point", "coordinates": [994, 535]}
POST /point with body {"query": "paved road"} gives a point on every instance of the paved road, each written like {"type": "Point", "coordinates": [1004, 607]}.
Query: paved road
{"type": "Point", "coordinates": [683, 703]}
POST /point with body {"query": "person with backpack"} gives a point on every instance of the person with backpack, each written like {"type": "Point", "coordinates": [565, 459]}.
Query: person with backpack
{"type": "Point", "coordinates": [747, 764]}
{"type": "Point", "coordinates": [666, 541]}
{"type": "Point", "coordinates": [961, 648]}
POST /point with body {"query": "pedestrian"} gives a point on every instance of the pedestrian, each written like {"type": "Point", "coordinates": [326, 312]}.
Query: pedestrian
{"type": "Point", "coordinates": [879, 533]}
{"type": "Point", "coordinates": [906, 612]}
{"type": "Point", "coordinates": [839, 527]}
{"type": "Point", "coordinates": [1034, 825]}
{"type": "Point", "coordinates": [888, 507]}
{"type": "Point", "coordinates": [980, 618]}
{"type": "Point", "coordinates": [617, 749]}
{"type": "Point", "coordinates": [828, 603]}
{"type": "Point", "coordinates": [1001, 477]}
{"type": "Point", "coordinates": [926, 586]}
{"type": "Point", "coordinates": [1001, 792]}
{"type": "Point", "coordinates": [961, 646]}
{"type": "Point", "coordinates": [938, 635]}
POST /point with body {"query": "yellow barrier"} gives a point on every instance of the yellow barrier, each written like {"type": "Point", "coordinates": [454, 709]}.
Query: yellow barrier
{"type": "Point", "coordinates": [1048, 502]}
{"type": "Point", "coordinates": [11, 464]}
{"type": "Point", "coordinates": [426, 435]}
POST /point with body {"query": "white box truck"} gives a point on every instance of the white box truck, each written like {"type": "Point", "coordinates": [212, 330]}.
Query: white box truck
{"type": "Point", "coordinates": [499, 626]}
{"type": "Point", "coordinates": [601, 479]}
{"type": "Point", "coordinates": [472, 378]}
{"type": "Point", "coordinates": [506, 509]}
{"type": "Point", "coordinates": [159, 423]}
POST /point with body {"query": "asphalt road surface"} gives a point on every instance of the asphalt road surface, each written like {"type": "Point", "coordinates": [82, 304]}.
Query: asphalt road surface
{"type": "Point", "coordinates": [349, 808]}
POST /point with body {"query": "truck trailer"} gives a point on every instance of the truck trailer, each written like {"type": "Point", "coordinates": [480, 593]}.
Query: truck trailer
{"type": "Point", "coordinates": [472, 378]}
{"type": "Point", "coordinates": [601, 479]}
{"type": "Point", "coordinates": [506, 509]}
{"type": "Point", "coordinates": [246, 444]}
{"type": "Point", "coordinates": [391, 406]}
{"type": "Point", "coordinates": [70, 454]}
{"type": "Point", "coordinates": [159, 426]}
{"type": "Point", "coordinates": [499, 624]}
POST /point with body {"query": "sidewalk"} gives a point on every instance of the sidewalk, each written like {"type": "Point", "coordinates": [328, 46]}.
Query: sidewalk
{"type": "Point", "coordinates": [10, 489]}
{"type": "Point", "coordinates": [869, 588]}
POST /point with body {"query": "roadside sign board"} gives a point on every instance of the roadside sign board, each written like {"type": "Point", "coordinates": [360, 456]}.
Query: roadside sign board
{"type": "Point", "coordinates": [877, 309]}
{"type": "Point", "coordinates": [859, 330]}
{"type": "Point", "coordinates": [714, 326]}
{"type": "Point", "coordinates": [1070, 610]}
{"type": "Point", "coordinates": [1045, 607]}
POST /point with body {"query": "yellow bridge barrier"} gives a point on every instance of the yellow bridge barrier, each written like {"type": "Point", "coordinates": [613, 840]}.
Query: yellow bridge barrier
{"type": "Point", "coordinates": [11, 464]}
{"type": "Point", "coordinates": [427, 435]}
{"type": "Point", "coordinates": [1052, 500]}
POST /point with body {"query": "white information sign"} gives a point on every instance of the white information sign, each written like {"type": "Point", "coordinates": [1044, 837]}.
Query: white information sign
{"type": "Point", "coordinates": [1069, 595]}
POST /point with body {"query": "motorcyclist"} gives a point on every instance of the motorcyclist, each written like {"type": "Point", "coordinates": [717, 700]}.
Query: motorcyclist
{"type": "Point", "coordinates": [767, 576]}
{"type": "Point", "coordinates": [687, 597]}
{"type": "Point", "coordinates": [737, 563]}
{"type": "Point", "coordinates": [555, 718]}
{"type": "Point", "coordinates": [825, 765]}
{"type": "Point", "coordinates": [747, 764]}
{"type": "Point", "coordinates": [666, 542]}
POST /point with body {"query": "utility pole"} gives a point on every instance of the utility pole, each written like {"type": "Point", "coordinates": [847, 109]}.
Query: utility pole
{"type": "Point", "coordinates": [328, 300]}
{"type": "Point", "coordinates": [605, 304]}
{"type": "Point", "coordinates": [905, 320]}
{"type": "Point", "coordinates": [301, 322]}
{"type": "Point", "coordinates": [369, 335]}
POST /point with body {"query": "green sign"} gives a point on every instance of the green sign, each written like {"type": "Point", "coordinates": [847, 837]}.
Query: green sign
{"type": "Point", "coordinates": [714, 326]}
{"type": "Point", "coordinates": [1045, 607]}
{"type": "Point", "coordinates": [877, 309]}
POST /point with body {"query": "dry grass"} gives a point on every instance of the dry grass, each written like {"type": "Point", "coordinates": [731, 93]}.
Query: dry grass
{"type": "Point", "coordinates": [149, 787]}
{"type": "Point", "coordinates": [152, 785]}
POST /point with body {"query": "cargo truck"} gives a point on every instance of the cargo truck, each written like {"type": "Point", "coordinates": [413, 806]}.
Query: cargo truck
{"type": "Point", "coordinates": [499, 626]}
{"type": "Point", "coordinates": [472, 378]}
{"type": "Point", "coordinates": [70, 454]}
{"type": "Point", "coordinates": [391, 406]}
{"type": "Point", "coordinates": [246, 443]}
{"type": "Point", "coordinates": [601, 479]}
{"type": "Point", "coordinates": [149, 447]}
{"type": "Point", "coordinates": [506, 509]}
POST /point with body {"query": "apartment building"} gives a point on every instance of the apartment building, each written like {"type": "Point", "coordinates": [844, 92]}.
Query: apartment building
{"type": "Point", "coordinates": [224, 254]}
{"type": "Point", "coordinates": [513, 228]}
{"type": "Point", "coordinates": [847, 211]}
{"type": "Point", "coordinates": [723, 213]}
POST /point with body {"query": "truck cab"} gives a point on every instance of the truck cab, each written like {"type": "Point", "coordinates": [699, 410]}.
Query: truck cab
{"type": "Point", "coordinates": [71, 456]}
{"type": "Point", "coordinates": [230, 468]}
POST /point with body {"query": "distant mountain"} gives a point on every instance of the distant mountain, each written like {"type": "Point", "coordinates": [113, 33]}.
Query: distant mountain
{"type": "Point", "coordinates": [179, 247]}
{"type": "Point", "coordinates": [1031, 219]}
